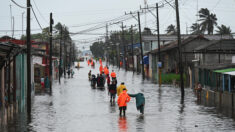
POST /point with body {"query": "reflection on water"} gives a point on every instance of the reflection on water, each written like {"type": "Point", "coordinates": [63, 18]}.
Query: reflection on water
{"type": "Point", "coordinates": [122, 124]}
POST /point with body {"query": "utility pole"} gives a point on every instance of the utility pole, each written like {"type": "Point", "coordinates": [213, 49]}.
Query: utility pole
{"type": "Point", "coordinates": [70, 54]}
{"type": "Point", "coordinates": [28, 40]}
{"type": "Point", "coordinates": [50, 68]}
{"type": "Point", "coordinates": [124, 48]}
{"type": "Point", "coordinates": [65, 54]}
{"type": "Point", "coordinates": [141, 48]}
{"type": "Point", "coordinates": [179, 48]}
{"type": "Point", "coordinates": [22, 24]}
{"type": "Point", "coordinates": [117, 49]}
{"type": "Point", "coordinates": [60, 69]}
{"type": "Point", "coordinates": [132, 48]}
{"type": "Point", "coordinates": [159, 54]}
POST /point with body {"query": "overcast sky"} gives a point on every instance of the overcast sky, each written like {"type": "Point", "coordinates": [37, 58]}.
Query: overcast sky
{"type": "Point", "coordinates": [82, 12]}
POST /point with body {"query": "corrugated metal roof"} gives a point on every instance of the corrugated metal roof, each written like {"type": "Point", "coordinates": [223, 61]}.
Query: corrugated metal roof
{"type": "Point", "coordinates": [225, 70]}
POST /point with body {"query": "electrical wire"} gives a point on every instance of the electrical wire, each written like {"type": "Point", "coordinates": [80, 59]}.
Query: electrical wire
{"type": "Point", "coordinates": [36, 18]}
{"type": "Point", "coordinates": [19, 5]}
{"type": "Point", "coordinates": [40, 12]}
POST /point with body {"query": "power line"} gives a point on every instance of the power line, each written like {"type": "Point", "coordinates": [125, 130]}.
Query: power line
{"type": "Point", "coordinates": [40, 12]}
{"type": "Point", "coordinates": [18, 4]}
{"type": "Point", "coordinates": [36, 18]}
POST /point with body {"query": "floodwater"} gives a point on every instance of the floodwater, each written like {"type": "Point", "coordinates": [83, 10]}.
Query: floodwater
{"type": "Point", "coordinates": [75, 106]}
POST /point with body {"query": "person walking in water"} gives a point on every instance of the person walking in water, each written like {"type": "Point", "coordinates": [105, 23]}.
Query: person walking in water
{"type": "Point", "coordinates": [120, 88]}
{"type": "Point", "coordinates": [122, 101]}
{"type": "Point", "coordinates": [112, 91]}
{"type": "Point", "coordinates": [140, 101]}
{"type": "Point", "coordinates": [113, 75]}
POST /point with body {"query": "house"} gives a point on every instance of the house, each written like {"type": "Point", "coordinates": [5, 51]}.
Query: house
{"type": "Point", "coordinates": [13, 84]}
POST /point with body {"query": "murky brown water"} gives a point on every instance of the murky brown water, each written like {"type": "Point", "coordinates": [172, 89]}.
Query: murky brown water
{"type": "Point", "coordinates": [74, 106]}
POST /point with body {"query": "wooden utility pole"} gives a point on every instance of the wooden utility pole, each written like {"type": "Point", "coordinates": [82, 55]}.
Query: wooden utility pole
{"type": "Point", "coordinates": [65, 55]}
{"type": "Point", "coordinates": [159, 54]}
{"type": "Point", "coordinates": [28, 41]}
{"type": "Point", "coordinates": [132, 48]}
{"type": "Point", "coordinates": [70, 54]}
{"type": "Point", "coordinates": [124, 48]}
{"type": "Point", "coordinates": [60, 69]}
{"type": "Point", "coordinates": [179, 48]}
{"type": "Point", "coordinates": [50, 68]}
{"type": "Point", "coordinates": [141, 48]}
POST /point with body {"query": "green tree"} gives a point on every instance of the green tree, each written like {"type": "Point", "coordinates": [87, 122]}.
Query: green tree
{"type": "Point", "coordinates": [171, 29]}
{"type": "Point", "coordinates": [223, 30]}
{"type": "Point", "coordinates": [97, 49]}
{"type": "Point", "coordinates": [208, 20]}
{"type": "Point", "coordinates": [195, 29]}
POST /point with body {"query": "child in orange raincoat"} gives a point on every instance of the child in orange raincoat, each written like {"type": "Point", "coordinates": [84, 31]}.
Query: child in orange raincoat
{"type": "Point", "coordinates": [123, 98]}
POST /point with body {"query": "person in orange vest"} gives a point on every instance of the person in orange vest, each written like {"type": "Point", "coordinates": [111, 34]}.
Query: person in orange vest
{"type": "Point", "coordinates": [88, 62]}
{"type": "Point", "coordinates": [100, 61]}
{"type": "Point", "coordinates": [113, 74]}
{"type": "Point", "coordinates": [120, 63]}
{"type": "Point", "coordinates": [106, 71]}
{"type": "Point", "coordinates": [122, 101]}
{"type": "Point", "coordinates": [101, 69]}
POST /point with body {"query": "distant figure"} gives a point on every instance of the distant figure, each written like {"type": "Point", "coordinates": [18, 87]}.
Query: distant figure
{"type": "Point", "coordinates": [89, 75]}
{"type": "Point", "coordinates": [120, 88]}
{"type": "Point", "coordinates": [68, 71]}
{"type": "Point", "coordinates": [93, 80]}
{"type": "Point", "coordinates": [112, 91]}
{"type": "Point", "coordinates": [72, 73]}
{"type": "Point", "coordinates": [113, 74]}
{"type": "Point", "coordinates": [42, 83]}
{"type": "Point", "coordinates": [122, 101]}
{"type": "Point", "coordinates": [101, 69]}
{"type": "Point", "coordinates": [140, 101]}
{"type": "Point", "coordinates": [120, 63]}
{"type": "Point", "coordinates": [198, 89]}
{"type": "Point", "coordinates": [108, 80]}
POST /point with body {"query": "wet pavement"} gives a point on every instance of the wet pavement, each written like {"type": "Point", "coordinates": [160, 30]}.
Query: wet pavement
{"type": "Point", "coordinates": [75, 106]}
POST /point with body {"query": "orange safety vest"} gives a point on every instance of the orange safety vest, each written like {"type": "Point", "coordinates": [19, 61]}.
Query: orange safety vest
{"type": "Point", "coordinates": [113, 74]}
{"type": "Point", "coordinates": [101, 68]}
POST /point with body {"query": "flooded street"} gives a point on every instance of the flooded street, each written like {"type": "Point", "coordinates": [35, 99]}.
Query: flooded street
{"type": "Point", "coordinates": [75, 106]}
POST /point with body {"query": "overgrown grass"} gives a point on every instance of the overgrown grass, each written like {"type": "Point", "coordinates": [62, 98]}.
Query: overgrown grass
{"type": "Point", "coordinates": [168, 78]}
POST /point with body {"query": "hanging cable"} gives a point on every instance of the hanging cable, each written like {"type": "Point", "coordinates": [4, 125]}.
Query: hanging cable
{"type": "Point", "coordinates": [36, 18]}
{"type": "Point", "coordinates": [19, 5]}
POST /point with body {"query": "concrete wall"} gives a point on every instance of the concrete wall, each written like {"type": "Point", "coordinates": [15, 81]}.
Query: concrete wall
{"type": "Point", "coordinates": [227, 100]}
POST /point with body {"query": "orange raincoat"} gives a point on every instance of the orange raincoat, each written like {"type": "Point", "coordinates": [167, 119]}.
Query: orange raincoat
{"type": "Point", "coordinates": [123, 98]}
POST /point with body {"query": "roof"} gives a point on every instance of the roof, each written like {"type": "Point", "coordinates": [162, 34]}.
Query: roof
{"type": "Point", "coordinates": [217, 66]}
{"type": "Point", "coordinates": [225, 70]}
{"type": "Point", "coordinates": [225, 44]}
{"type": "Point", "coordinates": [6, 50]}
{"type": "Point", "coordinates": [174, 44]}
{"type": "Point", "coordinates": [229, 71]}
{"type": "Point", "coordinates": [165, 37]}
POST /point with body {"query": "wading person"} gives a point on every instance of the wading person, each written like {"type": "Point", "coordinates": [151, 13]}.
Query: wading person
{"type": "Point", "coordinates": [112, 91]}
{"type": "Point", "coordinates": [140, 101]}
{"type": "Point", "coordinates": [123, 98]}
{"type": "Point", "coordinates": [113, 75]}
{"type": "Point", "coordinates": [120, 88]}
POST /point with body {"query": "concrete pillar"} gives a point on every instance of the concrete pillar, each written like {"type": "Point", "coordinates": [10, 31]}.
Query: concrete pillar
{"type": "Point", "coordinates": [223, 82]}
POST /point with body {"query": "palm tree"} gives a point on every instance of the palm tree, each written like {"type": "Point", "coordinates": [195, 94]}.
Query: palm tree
{"type": "Point", "coordinates": [223, 30]}
{"type": "Point", "coordinates": [208, 20]}
{"type": "Point", "coordinates": [171, 29]}
{"type": "Point", "coordinates": [195, 29]}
